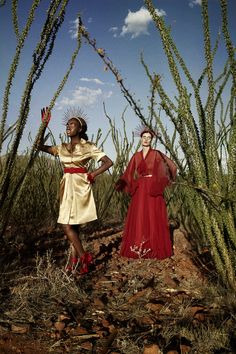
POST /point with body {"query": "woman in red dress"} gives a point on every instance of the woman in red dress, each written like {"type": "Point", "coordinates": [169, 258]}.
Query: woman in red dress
{"type": "Point", "coordinates": [146, 232]}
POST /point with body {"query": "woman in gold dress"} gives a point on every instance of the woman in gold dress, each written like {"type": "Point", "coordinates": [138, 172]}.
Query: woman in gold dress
{"type": "Point", "coordinates": [77, 204]}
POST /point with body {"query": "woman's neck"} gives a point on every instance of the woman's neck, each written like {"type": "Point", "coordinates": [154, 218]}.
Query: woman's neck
{"type": "Point", "coordinates": [75, 140]}
{"type": "Point", "coordinates": [145, 150]}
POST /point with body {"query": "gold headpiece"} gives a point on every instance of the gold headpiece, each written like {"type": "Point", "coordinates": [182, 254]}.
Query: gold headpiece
{"type": "Point", "coordinates": [75, 112]}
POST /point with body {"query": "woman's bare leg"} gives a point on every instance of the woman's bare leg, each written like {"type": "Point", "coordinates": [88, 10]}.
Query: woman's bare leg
{"type": "Point", "coordinates": [72, 233]}
{"type": "Point", "coordinates": [74, 254]}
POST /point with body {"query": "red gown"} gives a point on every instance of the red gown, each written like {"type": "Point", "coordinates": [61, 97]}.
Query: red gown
{"type": "Point", "coordinates": [146, 233]}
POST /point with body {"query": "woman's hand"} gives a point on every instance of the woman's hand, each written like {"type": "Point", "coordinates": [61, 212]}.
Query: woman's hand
{"type": "Point", "coordinates": [45, 115]}
{"type": "Point", "coordinates": [90, 177]}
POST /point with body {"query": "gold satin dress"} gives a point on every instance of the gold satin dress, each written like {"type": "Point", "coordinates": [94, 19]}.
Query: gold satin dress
{"type": "Point", "coordinates": [77, 204]}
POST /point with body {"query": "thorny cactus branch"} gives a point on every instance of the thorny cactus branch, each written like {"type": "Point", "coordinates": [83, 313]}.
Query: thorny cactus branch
{"type": "Point", "coordinates": [16, 192]}
{"type": "Point", "coordinates": [122, 149]}
{"type": "Point", "coordinates": [168, 107]}
{"type": "Point", "coordinates": [229, 45]}
{"type": "Point", "coordinates": [212, 195]}
{"type": "Point", "coordinates": [60, 88]}
{"type": "Point", "coordinates": [48, 37]}
{"type": "Point", "coordinates": [13, 68]}
{"type": "Point", "coordinates": [20, 185]}
{"type": "Point", "coordinates": [164, 33]}
{"type": "Point", "coordinates": [109, 64]}
{"type": "Point", "coordinates": [25, 103]}
{"type": "Point", "coordinates": [101, 52]}
{"type": "Point", "coordinates": [14, 8]}
{"type": "Point", "coordinates": [171, 51]}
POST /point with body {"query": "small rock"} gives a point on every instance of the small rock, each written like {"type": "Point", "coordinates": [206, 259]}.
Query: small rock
{"type": "Point", "coordinates": [200, 316]}
{"type": "Point", "coordinates": [48, 323]}
{"type": "Point", "coordinates": [98, 303]}
{"type": "Point", "coordinates": [195, 309]}
{"type": "Point", "coordinates": [63, 317]}
{"type": "Point", "coordinates": [3, 330]}
{"type": "Point", "coordinates": [185, 349]}
{"type": "Point", "coordinates": [59, 326]}
{"type": "Point", "coordinates": [152, 349]}
{"type": "Point", "coordinates": [105, 323]}
{"type": "Point", "coordinates": [20, 328]}
{"type": "Point", "coordinates": [86, 345]}
{"type": "Point", "coordinates": [154, 307]}
{"type": "Point", "coordinates": [145, 320]}
{"type": "Point", "coordinates": [141, 294]}
{"type": "Point", "coordinates": [169, 281]}
{"type": "Point", "coordinates": [78, 331]}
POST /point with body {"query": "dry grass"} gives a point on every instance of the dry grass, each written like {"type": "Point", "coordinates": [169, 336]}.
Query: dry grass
{"type": "Point", "coordinates": [141, 307]}
{"type": "Point", "coordinates": [44, 292]}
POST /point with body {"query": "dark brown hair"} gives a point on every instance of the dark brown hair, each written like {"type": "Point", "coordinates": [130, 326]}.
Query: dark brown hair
{"type": "Point", "coordinates": [147, 130]}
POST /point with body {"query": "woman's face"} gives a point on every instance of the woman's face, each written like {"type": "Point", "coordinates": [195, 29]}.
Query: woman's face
{"type": "Point", "coordinates": [146, 139]}
{"type": "Point", "coordinates": [73, 127]}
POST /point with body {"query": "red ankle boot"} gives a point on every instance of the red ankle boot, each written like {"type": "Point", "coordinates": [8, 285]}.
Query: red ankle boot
{"type": "Point", "coordinates": [85, 261]}
{"type": "Point", "coordinates": [72, 264]}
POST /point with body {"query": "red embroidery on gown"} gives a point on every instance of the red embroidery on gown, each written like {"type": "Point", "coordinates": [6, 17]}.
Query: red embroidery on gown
{"type": "Point", "coordinates": [146, 232]}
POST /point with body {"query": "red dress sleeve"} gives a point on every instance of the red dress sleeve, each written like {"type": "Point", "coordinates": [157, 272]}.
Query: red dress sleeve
{"type": "Point", "coordinates": [171, 167]}
{"type": "Point", "coordinates": [128, 181]}
{"type": "Point", "coordinates": [164, 172]}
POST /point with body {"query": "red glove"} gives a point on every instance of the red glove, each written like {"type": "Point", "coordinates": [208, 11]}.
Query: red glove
{"type": "Point", "coordinates": [45, 115]}
{"type": "Point", "coordinates": [91, 179]}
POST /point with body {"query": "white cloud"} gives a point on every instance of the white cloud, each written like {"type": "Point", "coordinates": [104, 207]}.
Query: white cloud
{"type": "Point", "coordinates": [96, 81]}
{"type": "Point", "coordinates": [83, 97]}
{"type": "Point", "coordinates": [136, 23]}
{"type": "Point", "coordinates": [108, 94]}
{"type": "Point", "coordinates": [192, 3]}
{"type": "Point", "coordinates": [74, 28]}
{"type": "Point", "coordinates": [114, 30]}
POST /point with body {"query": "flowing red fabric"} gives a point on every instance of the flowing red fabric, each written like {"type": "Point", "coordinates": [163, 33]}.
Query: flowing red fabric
{"type": "Point", "coordinates": [146, 232]}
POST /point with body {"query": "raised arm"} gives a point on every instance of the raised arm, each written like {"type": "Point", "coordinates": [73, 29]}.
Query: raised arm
{"type": "Point", "coordinates": [46, 148]}
{"type": "Point", "coordinates": [45, 116]}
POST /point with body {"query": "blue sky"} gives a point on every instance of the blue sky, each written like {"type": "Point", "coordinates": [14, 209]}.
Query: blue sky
{"type": "Point", "coordinates": [124, 29]}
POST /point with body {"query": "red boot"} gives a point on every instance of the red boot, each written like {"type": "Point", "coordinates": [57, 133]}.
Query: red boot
{"type": "Point", "coordinates": [85, 261]}
{"type": "Point", "coordinates": [72, 264]}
